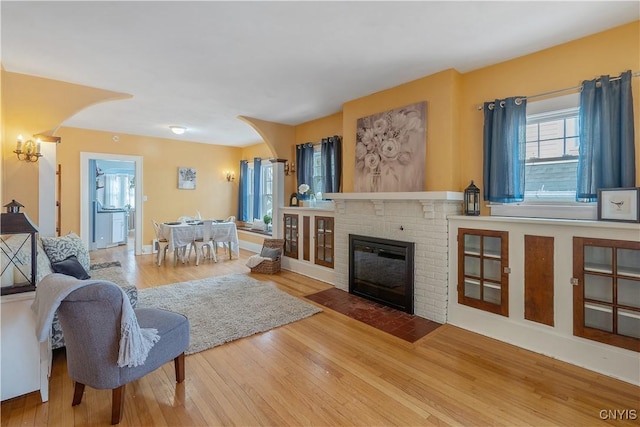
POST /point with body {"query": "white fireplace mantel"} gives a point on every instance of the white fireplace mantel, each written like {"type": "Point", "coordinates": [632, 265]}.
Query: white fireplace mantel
{"type": "Point", "coordinates": [426, 198]}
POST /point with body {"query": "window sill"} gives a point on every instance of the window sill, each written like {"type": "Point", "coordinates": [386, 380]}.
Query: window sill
{"type": "Point", "coordinates": [259, 232]}
{"type": "Point", "coordinates": [551, 211]}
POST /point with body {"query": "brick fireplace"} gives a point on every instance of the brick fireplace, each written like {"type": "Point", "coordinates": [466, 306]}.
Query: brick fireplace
{"type": "Point", "coordinates": [419, 217]}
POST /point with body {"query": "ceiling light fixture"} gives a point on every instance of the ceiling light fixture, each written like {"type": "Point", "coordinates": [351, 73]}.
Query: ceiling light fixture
{"type": "Point", "coordinates": [178, 130]}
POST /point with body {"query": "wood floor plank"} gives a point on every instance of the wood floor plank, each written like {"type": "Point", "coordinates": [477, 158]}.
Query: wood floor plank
{"type": "Point", "coordinates": [330, 369]}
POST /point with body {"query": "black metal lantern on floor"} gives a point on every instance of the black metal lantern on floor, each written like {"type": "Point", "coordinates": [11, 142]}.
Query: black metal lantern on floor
{"type": "Point", "coordinates": [472, 200]}
{"type": "Point", "coordinates": [18, 250]}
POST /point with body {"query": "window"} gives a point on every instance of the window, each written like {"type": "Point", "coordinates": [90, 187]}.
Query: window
{"type": "Point", "coordinates": [552, 143]}
{"type": "Point", "coordinates": [552, 156]}
{"type": "Point", "coordinates": [266, 190]}
{"type": "Point", "coordinates": [317, 170]}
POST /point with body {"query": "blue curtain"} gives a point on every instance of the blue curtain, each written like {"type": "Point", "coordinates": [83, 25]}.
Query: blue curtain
{"type": "Point", "coordinates": [331, 156]}
{"type": "Point", "coordinates": [257, 190]}
{"type": "Point", "coordinates": [304, 159]}
{"type": "Point", "coordinates": [243, 191]}
{"type": "Point", "coordinates": [607, 152]}
{"type": "Point", "coordinates": [505, 125]}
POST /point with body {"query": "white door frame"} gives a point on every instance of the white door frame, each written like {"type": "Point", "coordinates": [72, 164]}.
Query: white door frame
{"type": "Point", "coordinates": [84, 194]}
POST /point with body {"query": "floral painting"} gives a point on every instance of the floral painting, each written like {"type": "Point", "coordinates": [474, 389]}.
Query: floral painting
{"type": "Point", "coordinates": [391, 150]}
{"type": "Point", "coordinates": [187, 178]}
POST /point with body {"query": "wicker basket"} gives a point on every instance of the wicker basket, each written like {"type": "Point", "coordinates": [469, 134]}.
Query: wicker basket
{"type": "Point", "coordinates": [268, 266]}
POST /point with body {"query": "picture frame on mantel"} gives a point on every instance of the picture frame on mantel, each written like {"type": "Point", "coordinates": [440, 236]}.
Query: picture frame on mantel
{"type": "Point", "coordinates": [619, 204]}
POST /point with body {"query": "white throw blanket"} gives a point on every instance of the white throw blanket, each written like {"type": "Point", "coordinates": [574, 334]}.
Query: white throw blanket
{"type": "Point", "coordinates": [255, 260]}
{"type": "Point", "coordinates": [135, 342]}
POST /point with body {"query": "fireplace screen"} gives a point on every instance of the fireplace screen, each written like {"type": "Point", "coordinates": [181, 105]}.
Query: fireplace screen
{"type": "Point", "coordinates": [382, 270]}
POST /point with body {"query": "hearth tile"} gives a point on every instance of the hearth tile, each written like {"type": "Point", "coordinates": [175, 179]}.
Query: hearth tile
{"type": "Point", "coordinates": [397, 323]}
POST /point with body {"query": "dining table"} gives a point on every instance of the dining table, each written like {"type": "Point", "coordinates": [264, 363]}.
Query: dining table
{"type": "Point", "coordinates": [180, 234]}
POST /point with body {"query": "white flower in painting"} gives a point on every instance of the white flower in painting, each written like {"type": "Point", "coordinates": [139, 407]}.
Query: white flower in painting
{"type": "Point", "coordinates": [380, 126]}
{"type": "Point", "coordinates": [361, 151]}
{"type": "Point", "coordinates": [303, 188]}
{"type": "Point", "coordinates": [414, 123]}
{"type": "Point", "coordinates": [389, 149]}
{"type": "Point", "coordinates": [398, 121]}
{"type": "Point", "coordinates": [367, 136]}
{"type": "Point", "coordinates": [372, 160]}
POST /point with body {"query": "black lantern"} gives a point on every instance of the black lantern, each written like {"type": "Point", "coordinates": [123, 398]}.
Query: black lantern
{"type": "Point", "coordinates": [18, 250]}
{"type": "Point", "coordinates": [472, 200]}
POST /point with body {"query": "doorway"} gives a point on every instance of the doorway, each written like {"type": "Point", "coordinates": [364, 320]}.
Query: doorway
{"type": "Point", "coordinates": [104, 214]}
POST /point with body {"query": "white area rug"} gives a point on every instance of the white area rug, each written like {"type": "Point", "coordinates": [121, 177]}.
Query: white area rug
{"type": "Point", "coordinates": [225, 308]}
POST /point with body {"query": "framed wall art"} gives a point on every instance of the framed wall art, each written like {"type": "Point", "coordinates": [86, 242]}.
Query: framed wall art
{"type": "Point", "coordinates": [391, 150]}
{"type": "Point", "coordinates": [187, 178]}
{"type": "Point", "coordinates": [619, 204]}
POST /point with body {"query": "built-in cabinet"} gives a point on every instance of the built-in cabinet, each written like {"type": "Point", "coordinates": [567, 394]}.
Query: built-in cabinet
{"type": "Point", "coordinates": [309, 241]}
{"type": "Point", "coordinates": [483, 264]}
{"type": "Point", "coordinates": [606, 294]}
{"type": "Point", "coordinates": [569, 289]}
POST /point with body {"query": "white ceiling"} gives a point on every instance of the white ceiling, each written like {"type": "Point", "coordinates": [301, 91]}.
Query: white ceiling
{"type": "Point", "coordinates": [202, 64]}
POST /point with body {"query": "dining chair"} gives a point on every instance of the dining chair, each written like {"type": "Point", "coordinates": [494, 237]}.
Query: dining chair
{"type": "Point", "coordinates": [205, 242]}
{"type": "Point", "coordinates": [162, 246]}
{"type": "Point", "coordinates": [226, 245]}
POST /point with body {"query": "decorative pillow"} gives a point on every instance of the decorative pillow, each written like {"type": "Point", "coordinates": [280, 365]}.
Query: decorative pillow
{"type": "Point", "coordinates": [273, 253]}
{"type": "Point", "coordinates": [258, 224]}
{"type": "Point", "coordinates": [43, 263]}
{"type": "Point", "coordinates": [23, 254]}
{"type": "Point", "coordinates": [61, 248]}
{"type": "Point", "coordinates": [70, 267]}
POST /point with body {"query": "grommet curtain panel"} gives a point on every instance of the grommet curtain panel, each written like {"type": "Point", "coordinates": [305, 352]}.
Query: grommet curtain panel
{"type": "Point", "coordinates": [304, 159]}
{"type": "Point", "coordinates": [505, 124]}
{"type": "Point", "coordinates": [607, 151]}
{"type": "Point", "coordinates": [331, 155]}
{"type": "Point", "coordinates": [243, 191]}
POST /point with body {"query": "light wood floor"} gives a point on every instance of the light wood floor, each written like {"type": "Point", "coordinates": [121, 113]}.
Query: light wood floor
{"type": "Point", "coordinates": [331, 370]}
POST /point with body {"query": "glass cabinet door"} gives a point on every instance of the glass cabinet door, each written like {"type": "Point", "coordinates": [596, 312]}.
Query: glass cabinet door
{"type": "Point", "coordinates": [324, 241]}
{"type": "Point", "coordinates": [291, 235]}
{"type": "Point", "coordinates": [607, 291]}
{"type": "Point", "coordinates": [482, 263]}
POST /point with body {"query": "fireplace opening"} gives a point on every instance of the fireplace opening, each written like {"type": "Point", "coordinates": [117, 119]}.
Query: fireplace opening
{"type": "Point", "coordinates": [382, 270]}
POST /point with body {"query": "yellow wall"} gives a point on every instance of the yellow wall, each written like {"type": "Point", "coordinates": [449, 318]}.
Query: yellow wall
{"type": "Point", "coordinates": [214, 197]}
{"type": "Point", "coordinates": [454, 125]}
{"type": "Point", "coordinates": [33, 105]}
{"type": "Point", "coordinates": [312, 131]}
{"type": "Point", "coordinates": [261, 150]}
{"type": "Point", "coordinates": [563, 66]}
{"type": "Point", "coordinates": [440, 91]}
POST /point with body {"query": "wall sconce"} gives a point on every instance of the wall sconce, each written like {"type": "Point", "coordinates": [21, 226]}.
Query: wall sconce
{"type": "Point", "coordinates": [289, 169]}
{"type": "Point", "coordinates": [230, 176]}
{"type": "Point", "coordinates": [29, 149]}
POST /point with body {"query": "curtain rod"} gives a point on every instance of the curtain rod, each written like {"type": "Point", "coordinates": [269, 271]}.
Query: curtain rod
{"type": "Point", "coordinates": [569, 89]}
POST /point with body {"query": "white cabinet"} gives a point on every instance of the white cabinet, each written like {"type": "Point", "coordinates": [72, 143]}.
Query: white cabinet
{"type": "Point", "coordinates": [118, 227]}
{"type": "Point", "coordinates": [111, 229]}
{"type": "Point", "coordinates": [308, 234]}
{"type": "Point", "coordinates": [24, 361]}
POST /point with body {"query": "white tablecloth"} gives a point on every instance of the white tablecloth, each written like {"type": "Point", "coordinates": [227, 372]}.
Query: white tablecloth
{"type": "Point", "coordinates": [182, 234]}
